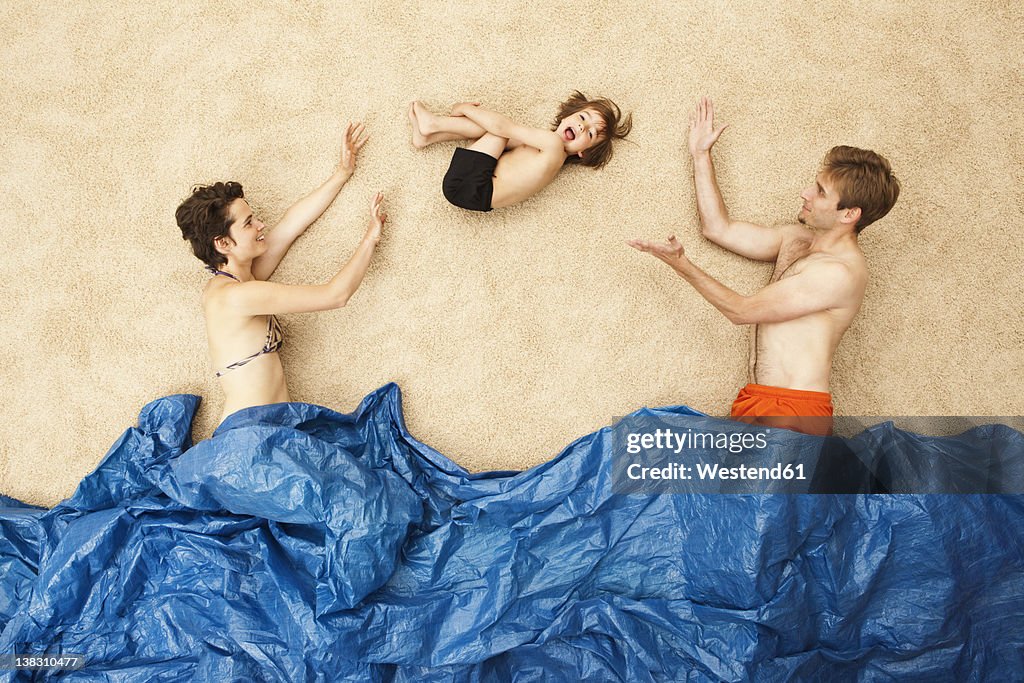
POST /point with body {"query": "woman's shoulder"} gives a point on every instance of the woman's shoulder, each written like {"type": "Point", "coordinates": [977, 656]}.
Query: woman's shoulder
{"type": "Point", "coordinates": [215, 290]}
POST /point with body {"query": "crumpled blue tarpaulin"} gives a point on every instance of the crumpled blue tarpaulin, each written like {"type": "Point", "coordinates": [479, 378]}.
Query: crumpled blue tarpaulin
{"type": "Point", "coordinates": [300, 544]}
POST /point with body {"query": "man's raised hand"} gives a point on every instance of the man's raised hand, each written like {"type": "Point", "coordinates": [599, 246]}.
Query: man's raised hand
{"type": "Point", "coordinates": [703, 134]}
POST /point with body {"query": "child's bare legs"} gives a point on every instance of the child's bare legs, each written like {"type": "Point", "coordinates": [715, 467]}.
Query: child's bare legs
{"type": "Point", "coordinates": [428, 128]}
{"type": "Point", "coordinates": [489, 143]}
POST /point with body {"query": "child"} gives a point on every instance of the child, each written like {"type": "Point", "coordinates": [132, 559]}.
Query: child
{"type": "Point", "coordinates": [509, 162]}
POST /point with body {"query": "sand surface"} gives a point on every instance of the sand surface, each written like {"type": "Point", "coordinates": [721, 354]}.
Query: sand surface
{"type": "Point", "coordinates": [515, 332]}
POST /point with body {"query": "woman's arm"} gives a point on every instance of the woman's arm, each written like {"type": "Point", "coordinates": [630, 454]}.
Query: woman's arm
{"type": "Point", "coordinates": [259, 297]}
{"type": "Point", "coordinates": [305, 211]}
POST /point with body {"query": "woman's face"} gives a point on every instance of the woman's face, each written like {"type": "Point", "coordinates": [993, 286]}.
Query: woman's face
{"type": "Point", "coordinates": [247, 231]}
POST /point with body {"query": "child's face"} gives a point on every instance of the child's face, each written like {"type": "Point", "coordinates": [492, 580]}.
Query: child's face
{"type": "Point", "coordinates": [580, 131]}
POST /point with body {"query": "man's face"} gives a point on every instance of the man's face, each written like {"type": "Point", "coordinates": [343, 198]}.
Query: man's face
{"type": "Point", "coordinates": [821, 202]}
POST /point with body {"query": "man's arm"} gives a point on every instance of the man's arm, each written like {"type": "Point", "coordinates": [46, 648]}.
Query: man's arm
{"type": "Point", "coordinates": [746, 239]}
{"type": "Point", "coordinates": [818, 287]}
{"type": "Point", "coordinates": [305, 211]}
{"type": "Point", "coordinates": [504, 127]}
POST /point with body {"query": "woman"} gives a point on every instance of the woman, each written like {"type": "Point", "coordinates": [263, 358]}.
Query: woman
{"type": "Point", "coordinates": [239, 304]}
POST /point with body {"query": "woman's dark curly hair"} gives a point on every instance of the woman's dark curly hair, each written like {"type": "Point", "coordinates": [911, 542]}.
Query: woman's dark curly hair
{"type": "Point", "coordinates": [614, 128]}
{"type": "Point", "coordinates": [204, 217]}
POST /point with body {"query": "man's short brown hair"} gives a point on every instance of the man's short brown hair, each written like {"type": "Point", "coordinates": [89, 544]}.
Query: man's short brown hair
{"type": "Point", "coordinates": [863, 180]}
{"type": "Point", "coordinates": [614, 129]}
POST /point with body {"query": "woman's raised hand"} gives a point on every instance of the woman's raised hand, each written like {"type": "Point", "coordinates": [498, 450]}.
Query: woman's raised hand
{"type": "Point", "coordinates": [355, 138]}
{"type": "Point", "coordinates": [377, 217]}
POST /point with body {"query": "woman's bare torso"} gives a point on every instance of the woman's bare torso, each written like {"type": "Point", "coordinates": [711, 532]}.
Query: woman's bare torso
{"type": "Point", "coordinates": [231, 338]}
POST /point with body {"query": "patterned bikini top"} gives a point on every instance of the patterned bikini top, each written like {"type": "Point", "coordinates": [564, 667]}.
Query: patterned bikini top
{"type": "Point", "coordinates": [275, 338]}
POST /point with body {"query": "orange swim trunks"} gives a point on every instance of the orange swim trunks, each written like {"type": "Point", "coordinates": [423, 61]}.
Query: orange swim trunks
{"type": "Point", "coordinates": [809, 412]}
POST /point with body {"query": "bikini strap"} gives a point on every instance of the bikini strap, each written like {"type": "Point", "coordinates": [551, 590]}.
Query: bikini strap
{"type": "Point", "coordinates": [221, 272]}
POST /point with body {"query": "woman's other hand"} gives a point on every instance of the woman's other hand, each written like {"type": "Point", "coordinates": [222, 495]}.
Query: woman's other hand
{"type": "Point", "coordinates": [377, 218]}
{"type": "Point", "coordinates": [355, 138]}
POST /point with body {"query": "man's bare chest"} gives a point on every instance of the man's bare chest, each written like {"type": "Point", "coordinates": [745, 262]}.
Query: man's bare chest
{"type": "Point", "coordinates": [793, 257]}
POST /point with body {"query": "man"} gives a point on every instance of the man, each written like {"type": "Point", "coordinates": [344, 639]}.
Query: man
{"type": "Point", "coordinates": [818, 283]}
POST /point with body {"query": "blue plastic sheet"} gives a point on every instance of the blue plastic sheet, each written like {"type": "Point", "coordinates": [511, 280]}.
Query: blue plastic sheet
{"type": "Point", "coordinates": [300, 544]}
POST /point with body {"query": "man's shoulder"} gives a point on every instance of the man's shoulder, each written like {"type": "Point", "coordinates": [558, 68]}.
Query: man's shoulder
{"type": "Point", "coordinates": [844, 269]}
{"type": "Point", "coordinates": [794, 231]}
{"type": "Point", "coordinates": [850, 254]}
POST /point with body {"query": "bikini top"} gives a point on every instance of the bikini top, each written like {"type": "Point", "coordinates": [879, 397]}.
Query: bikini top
{"type": "Point", "coordinates": [275, 338]}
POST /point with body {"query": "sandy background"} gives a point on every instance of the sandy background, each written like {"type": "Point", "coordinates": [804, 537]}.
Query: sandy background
{"type": "Point", "coordinates": [515, 332]}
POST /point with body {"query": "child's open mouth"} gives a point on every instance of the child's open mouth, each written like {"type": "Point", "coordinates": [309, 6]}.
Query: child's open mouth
{"type": "Point", "coordinates": [570, 134]}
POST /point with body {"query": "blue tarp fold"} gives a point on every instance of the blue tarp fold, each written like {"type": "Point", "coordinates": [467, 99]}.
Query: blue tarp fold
{"type": "Point", "coordinates": [300, 544]}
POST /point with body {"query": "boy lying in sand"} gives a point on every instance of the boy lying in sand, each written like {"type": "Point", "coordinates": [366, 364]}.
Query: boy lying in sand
{"type": "Point", "coordinates": [509, 162]}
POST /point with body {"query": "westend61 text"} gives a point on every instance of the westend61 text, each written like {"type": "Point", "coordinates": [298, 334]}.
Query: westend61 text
{"type": "Point", "coordinates": [706, 472]}
{"type": "Point", "coordinates": [668, 440]}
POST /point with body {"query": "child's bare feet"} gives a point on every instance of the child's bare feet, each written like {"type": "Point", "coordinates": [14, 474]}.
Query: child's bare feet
{"type": "Point", "coordinates": [424, 122]}
{"type": "Point", "coordinates": [425, 117]}
{"type": "Point", "coordinates": [419, 140]}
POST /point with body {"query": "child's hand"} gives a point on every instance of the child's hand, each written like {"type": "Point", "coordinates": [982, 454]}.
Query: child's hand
{"type": "Point", "coordinates": [460, 108]}
{"type": "Point", "coordinates": [702, 127]}
{"type": "Point", "coordinates": [350, 146]}
{"type": "Point", "coordinates": [377, 218]}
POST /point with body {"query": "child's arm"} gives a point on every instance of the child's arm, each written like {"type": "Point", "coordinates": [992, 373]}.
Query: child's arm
{"type": "Point", "coordinates": [504, 127]}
